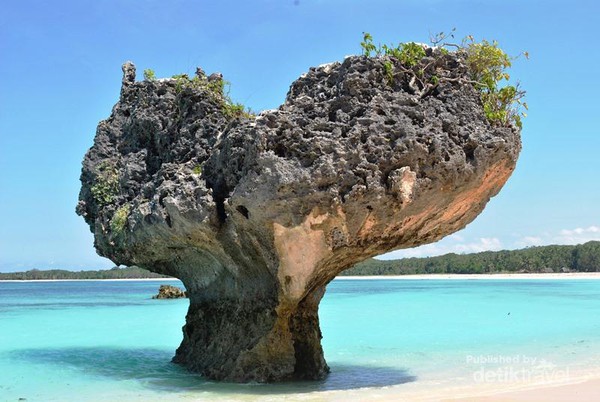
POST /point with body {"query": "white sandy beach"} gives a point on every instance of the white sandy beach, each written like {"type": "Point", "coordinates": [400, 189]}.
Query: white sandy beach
{"type": "Point", "coordinates": [572, 275]}
{"type": "Point", "coordinates": [585, 388]}
{"type": "Point", "coordinates": [583, 391]}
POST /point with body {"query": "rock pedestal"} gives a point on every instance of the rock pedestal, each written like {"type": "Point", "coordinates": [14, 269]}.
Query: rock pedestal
{"type": "Point", "coordinates": [257, 214]}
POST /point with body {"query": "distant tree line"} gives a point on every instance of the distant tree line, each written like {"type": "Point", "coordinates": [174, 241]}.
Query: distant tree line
{"type": "Point", "coordinates": [544, 259]}
{"type": "Point", "coordinates": [114, 273]}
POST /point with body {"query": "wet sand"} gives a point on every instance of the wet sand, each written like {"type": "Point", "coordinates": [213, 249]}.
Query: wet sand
{"type": "Point", "coordinates": [587, 391]}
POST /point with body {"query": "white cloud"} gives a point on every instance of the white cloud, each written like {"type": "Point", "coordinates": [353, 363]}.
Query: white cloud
{"type": "Point", "coordinates": [578, 235]}
{"type": "Point", "coordinates": [452, 244]}
{"type": "Point", "coordinates": [579, 231]}
{"type": "Point", "coordinates": [459, 244]}
{"type": "Point", "coordinates": [565, 236]}
{"type": "Point", "coordinates": [456, 236]}
{"type": "Point", "coordinates": [529, 241]}
{"type": "Point", "coordinates": [484, 244]}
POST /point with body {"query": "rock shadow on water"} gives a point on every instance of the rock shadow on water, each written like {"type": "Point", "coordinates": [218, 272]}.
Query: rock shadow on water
{"type": "Point", "coordinates": [153, 369]}
{"type": "Point", "coordinates": [342, 377]}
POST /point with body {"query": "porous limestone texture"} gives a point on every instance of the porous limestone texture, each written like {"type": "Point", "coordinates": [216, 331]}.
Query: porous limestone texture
{"type": "Point", "coordinates": [169, 292]}
{"type": "Point", "coordinates": [257, 214]}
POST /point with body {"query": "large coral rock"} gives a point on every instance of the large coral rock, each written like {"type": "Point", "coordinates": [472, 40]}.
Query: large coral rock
{"type": "Point", "coordinates": [256, 215]}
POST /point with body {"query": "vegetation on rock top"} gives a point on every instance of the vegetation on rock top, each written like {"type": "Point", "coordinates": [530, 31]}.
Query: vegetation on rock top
{"type": "Point", "coordinates": [218, 88]}
{"type": "Point", "coordinates": [149, 75]}
{"type": "Point", "coordinates": [487, 67]}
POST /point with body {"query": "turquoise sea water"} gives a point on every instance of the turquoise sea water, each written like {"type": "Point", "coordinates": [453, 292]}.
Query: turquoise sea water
{"type": "Point", "coordinates": [93, 341]}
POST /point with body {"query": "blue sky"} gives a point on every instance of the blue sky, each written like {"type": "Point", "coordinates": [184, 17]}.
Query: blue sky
{"type": "Point", "coordinates": [60, 74]}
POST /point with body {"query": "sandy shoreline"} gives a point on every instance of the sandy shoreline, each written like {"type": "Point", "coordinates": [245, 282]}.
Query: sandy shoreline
{"type": "Point", "coordinates": [582, 388]}
{"type": "Point", "coordinates": [572, 275]}
{"type": "Point", "coordinates": [582, 391]}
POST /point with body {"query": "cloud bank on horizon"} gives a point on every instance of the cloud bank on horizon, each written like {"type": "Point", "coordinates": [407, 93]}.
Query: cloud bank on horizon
{"type": "Point", "coordinates": [456, 243]}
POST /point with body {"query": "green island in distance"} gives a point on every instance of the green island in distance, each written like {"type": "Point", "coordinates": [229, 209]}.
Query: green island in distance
{"type": "Point", "coordinates": [542, 259]}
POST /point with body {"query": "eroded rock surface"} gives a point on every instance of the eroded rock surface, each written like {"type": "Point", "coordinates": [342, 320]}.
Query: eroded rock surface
{"type": "Point", "coordinates": [257, 214]}
{"type": "Point", "coordinates": [169, 292]}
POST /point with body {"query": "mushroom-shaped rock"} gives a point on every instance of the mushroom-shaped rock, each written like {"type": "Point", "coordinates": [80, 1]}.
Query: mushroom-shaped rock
{"type": "Point", "coordinates": [257, 214]}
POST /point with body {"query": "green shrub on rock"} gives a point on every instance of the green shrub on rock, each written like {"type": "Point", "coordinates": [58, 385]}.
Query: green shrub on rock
{"type": "Point", "coordinates": [486, 63]}
{"type": "Point", "coordinates": [149, 75]}
{"type": "Point", "coordinates": [119, 220]}
{"type": "Point", "coordinates": [106, 185]}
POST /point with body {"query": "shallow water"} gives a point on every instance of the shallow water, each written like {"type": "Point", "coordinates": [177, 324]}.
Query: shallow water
{"type": "Point", "coordinates": [91, 341]}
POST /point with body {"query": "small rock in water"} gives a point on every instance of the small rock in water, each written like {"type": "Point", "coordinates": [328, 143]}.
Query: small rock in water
{"type": "Point", "coordinates": [169, 292]}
